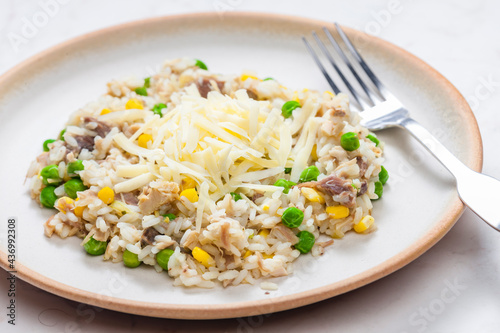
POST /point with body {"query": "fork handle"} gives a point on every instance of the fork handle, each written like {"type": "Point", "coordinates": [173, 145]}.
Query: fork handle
{"type": "Point", "coordinates": [436, 148]}
{"type": "Point", "coordinates": [479, 192]}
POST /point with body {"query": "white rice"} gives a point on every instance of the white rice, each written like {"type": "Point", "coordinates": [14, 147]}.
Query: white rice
{"type": "Point", "coordinates": [240, 240]}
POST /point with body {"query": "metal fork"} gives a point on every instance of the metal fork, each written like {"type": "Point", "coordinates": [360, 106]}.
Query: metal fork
{"type": "Point", "coordinates": [479, 192]}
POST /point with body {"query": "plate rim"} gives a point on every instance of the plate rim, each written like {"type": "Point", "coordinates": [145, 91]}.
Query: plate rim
{"type": "Point", "coordinates": [256, 307]}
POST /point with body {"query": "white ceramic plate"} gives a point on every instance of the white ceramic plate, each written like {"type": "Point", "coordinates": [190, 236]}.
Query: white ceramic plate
{"type": "Point", "coordinates": [420, 203]}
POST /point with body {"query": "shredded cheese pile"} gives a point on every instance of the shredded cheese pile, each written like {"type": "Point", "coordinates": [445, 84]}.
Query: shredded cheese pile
{"type": "Point", "coordinates": [222, 143]}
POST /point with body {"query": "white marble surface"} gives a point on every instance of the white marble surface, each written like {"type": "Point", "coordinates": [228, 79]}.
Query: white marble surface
{"type": "Point", "coordinates": [458, 38]}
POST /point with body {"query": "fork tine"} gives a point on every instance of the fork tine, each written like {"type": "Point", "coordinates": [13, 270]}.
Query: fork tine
{"type": "Point", "coordinates": [336, 90]}
{"type": "Point", "coordinates": [381, 88]}
{"type": "Point", "coordinates": [325, 51]}
{"type": "Point", "coordinates": [346, 60]}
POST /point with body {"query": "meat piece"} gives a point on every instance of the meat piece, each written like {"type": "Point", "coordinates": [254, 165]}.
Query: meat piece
{"type": "Point", "coordinates": [191, 240]}
{"type": "Point", "coordinates": [70, 157]}
{"type": "Point", "coordinates": [360, 161]}
{"type": "Point", "coordinates": [205, 86]}
{"type": "Point", "coordinates": [256, 196]}
{"type": "Point", "coordinates": [340, 189]}
{"type": "Point", "coordinates": [339, 113]}
{"type": "Point", "coordinates": [43, 159]}
{"type": "Point", "coordinates": [130, 130]}
{"type": "Point", "coordinates": [224, 235]}
{"type": "Point", "coordinates": [274, 269]}
{"type": "Point", "coordinates": [148, 236]}
{"type": "Point", "coordinates": [251, 94]}
{"type": "Point", "coordinates": [102, 129]}
{"type": "Point", "coordinates": [156, 194]}
{"type": "Point", "coordinates": [86, 197]}
{"type": "Point", "coordinates": [129, 198]}
{"type": "Point", "coordinates": [334, 185]}
{"type": "Point", "coordinates": [284, 234]}
{"type": "Point", "coordinates": [363, 189]}
{"type": "Point", "coordinates": [84, 142]}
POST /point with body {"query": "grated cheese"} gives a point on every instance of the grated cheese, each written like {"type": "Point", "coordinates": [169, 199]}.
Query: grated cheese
{"type": "Point", "coordinates": [222, 143]}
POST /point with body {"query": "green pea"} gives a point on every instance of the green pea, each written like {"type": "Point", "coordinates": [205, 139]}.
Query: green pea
{"type": "Point", "coordinates": [292, 217]}
{"type": "Point", "coordinates": [141, 91]}
{"type": "Point", "coordinates": [171, 217]}
{"type": "Point", "coordinates": [48, 197]}
{"type": "Point", "coordinates": [383, 175]}
{"type": "Point", "coordinates": [95, 247]}
{"type": "Point", "coordinates": [349, 141]}
{"type": "Point", "coordinates": [50, 175]}
{"type": "Point", "coordinates": [288, 107]}
{"type": "Point", "coordinates": [75, 166]}
{"type": "Point", "coordinates": [61, 135]}
{"type": "Point", "coordinates": [147, 82]}
{"type": "Point", "coordinates": [288, 171]}
{"type": "Point", "coordinates": [201, 64]}
{"type": "Point", "coordinates": [163, 257]}
{"type": "Point", "coordinates": [50, 172]}
{"type": "Point", "coordinates": [309, 174]}
{"type": "Point", "coordinates": [157, 109]}
{"type": "Point", "coordinates": [46, 144]}
{"type": "Point", "coordinates": [268, 78]}
{"type": "Point", "coordinates": [72, 186]}
{"type": "Point", "coordinates": [131, 259]}
{"type": "Point", "coordinates": [306, 241]}
{"type": "Point", "coordinates": [236, 196]}
{"type": "Point", "coordinates": [379, 190]}
{"type": "Point", "coordinates": [374, 139]}
{"type": "Point", "coordinates": [287, 184]}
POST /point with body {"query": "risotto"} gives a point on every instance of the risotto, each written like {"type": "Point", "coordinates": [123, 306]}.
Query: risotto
{"type": "Point", "coordinates": [211, 178]}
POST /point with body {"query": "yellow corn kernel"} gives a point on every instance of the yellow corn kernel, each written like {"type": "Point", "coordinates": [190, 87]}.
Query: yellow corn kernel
{"type": "Point", "coordinates": [295, 96]}
{"type": "Point", "coordinates": [105, 111]}
{"type": "Point", "coordinates": [246, 76]}
{"type": "Point", "coordinates": [365, 223]}
{"type": "Point", "coordinates": [203, 257]}
{"type": "Point", "coordinates": [264, 232]}
{"type": "Point", "coordinates": [312, 195]}
{"type": "Point", "coordinates": [190, 194]}
{"type": "Point", "coordinates": [185, 79]}
{"type": "Point", "coordinates": [143, 140]}
{"type": "Point", "coordinates": [267, 256]}
{"type": "Point", "coordinates": [78, 210]}
{"type": "Point", "coordinates": [305, 90]}
{"type": "Point", "coordinates": [247, 254]}
{"type": "Point", "coordinates": [329, 93]}
{"type": "Point", "coordinates": [338, 212]}
{"type": "Point", "coordinates": [314, 153]}
{"type": "Point", "coordinates": [265, 208]}
{"type": "Point", "coordinates": [63, 203]}
{"type": "Point", "coordinates": [188, 183]}
{"type": "Point", "coordinates": [106, 194]}
{"type": "Point", "coordinates": [134, 103]}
